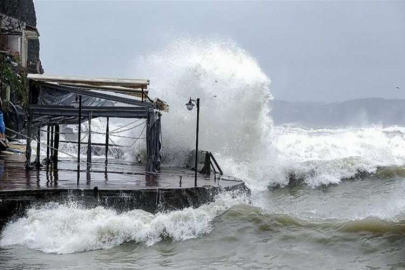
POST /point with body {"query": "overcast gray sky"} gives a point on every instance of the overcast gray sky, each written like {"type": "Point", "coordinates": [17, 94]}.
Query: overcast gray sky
{"type": "Point", "coordinates": [311, 50]}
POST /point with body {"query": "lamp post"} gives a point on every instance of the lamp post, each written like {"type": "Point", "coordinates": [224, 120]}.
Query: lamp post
{"type": "Point", "coordinates": [190, 106]}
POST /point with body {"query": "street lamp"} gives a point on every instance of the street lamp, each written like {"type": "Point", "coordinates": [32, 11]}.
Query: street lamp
{"type": "Point", "coordinates": [190, 106]}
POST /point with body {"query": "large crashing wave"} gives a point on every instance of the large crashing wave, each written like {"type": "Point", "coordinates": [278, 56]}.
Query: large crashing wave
{"type": "Point", "coordinates": [236, 121]}
{"type": "Point", "coordinates": [234, 95]}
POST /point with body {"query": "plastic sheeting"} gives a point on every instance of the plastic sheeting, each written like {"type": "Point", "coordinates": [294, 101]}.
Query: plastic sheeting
{"type": "Point", "coordinates": [153, 143]}
{"type": "Point", "coordinates": [55, 96]}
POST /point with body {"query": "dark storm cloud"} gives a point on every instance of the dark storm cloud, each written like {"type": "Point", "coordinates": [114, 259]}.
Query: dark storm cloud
{"type": "Point", "coordinates": [311, 50]}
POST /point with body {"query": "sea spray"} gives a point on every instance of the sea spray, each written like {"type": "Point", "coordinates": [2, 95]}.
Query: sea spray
{"type": "Point", "coordinates": [235, 96]}
{"type": "Point", "coordinates": [236, 122]}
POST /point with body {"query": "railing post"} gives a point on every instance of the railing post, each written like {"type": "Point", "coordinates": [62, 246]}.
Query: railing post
{"type": "Point", "coordinates": [216, 164]}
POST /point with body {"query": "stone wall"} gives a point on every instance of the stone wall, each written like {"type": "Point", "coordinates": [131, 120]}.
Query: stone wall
{"type": "Point", "coordinates": [24, 10]}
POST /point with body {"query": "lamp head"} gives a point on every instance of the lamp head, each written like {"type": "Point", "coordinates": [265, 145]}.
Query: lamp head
{"type": "Point", "coordinates": [190, 105]}
{"type": "Point", "coordinates": [75, 104]}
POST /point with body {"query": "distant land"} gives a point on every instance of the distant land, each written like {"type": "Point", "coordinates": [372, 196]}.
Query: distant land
{"type": "Point", "coordinates": [351, 113]}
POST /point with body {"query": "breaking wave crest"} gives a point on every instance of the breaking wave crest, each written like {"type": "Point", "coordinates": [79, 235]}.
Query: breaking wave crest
{"type": "Point", "coordinates": [61, 229]}
{"type": "Point", "coordinates": [327, 156]}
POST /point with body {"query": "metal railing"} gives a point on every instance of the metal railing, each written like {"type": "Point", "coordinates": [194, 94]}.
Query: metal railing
{"type": "Point", "coordinates": [211, 163]}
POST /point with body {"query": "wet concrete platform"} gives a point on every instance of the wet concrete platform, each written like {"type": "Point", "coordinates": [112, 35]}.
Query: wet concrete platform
{"type": "Point", "coordinates": [120, 175]}
{"type": "Point", "coordinates": [124, 186]}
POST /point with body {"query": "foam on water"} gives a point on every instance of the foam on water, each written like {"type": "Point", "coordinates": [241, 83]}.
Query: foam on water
{"type": "Point", "coordinates": [57, 228]}
{"type": "Point", "coordinates": [327, 156]}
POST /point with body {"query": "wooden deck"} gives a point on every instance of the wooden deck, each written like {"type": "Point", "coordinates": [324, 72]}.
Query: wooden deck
{"type": "Point", "coordinates": [120, 175]}
{"type": "Point", "coordinates": [124, 187]}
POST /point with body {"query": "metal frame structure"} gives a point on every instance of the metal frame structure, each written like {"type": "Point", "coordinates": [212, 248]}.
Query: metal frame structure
{"type": "Point", "coordinates": [130, 91]}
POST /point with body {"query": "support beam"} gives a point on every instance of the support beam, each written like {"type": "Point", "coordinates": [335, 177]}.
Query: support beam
{"type": "Point", "coordinates": [89, 146]}
{"type": "Point", "coordinates": [130, 83]}
{"type": "Point", "coordinates": [150, 168]}
{"type": "Point", "coordinates": [107, 140]}
{"type": "Point", "coordinates": [86, 92]}
{"type": "Point", "coordinates": [56, 147]}
{"type": "Point", "coordinates": [38, 158]}
{"type": "Point", "coordinates": [28, 146]}
{"type": "Point", "coordinates": [52, 138]}
{"type": "Point", "coordinates": [47, 145]}
{"type": "Point", "coordinates": [79, 137]}
{"type": "Point", "coordinates": [70, 111]}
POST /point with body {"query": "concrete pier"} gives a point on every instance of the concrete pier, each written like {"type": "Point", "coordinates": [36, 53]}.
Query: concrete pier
{"type": "Point", "coordinates": [124, 187]}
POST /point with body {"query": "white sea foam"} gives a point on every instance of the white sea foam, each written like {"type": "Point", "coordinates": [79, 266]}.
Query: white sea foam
{"type": "Point", "coordinates": [57, 228]}
{"type": "Point", "coordinates": [326, 156]}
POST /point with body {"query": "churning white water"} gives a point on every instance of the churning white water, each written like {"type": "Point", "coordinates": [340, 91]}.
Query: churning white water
{"type": "Point", "coordinates": [326, 156]}
{"type": "Point", "coordinates": [57, 228]}
{"type": "Point", "coordinates": [236, 126]}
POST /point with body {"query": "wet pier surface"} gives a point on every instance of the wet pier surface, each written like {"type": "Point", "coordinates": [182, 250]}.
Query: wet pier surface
{"type": "Point", "coordinates": [123, 187]}
{"type": "Point", "coordinates": [120, 175]}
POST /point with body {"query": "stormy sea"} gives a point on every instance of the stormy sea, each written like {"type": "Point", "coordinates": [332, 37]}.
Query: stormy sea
{"type": "Point", "coordinates": [324, 197]}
